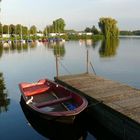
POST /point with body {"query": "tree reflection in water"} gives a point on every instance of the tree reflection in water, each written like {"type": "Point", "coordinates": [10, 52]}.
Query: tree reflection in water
{"type": "Point", "coordinates": [59, 50]}
{"type": "Point", "coordinates": [4, 101]}
{"type": "Point", "coordinates": [109, 47]}
{"type": "Point", "coordinates": [1, 50]}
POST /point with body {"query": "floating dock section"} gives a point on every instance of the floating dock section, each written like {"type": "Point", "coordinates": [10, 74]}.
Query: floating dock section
{"type": "Point", "coordinates": [113, 105]}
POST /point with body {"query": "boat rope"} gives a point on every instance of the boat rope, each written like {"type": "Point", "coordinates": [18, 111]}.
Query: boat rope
{"type": "Point", "coordinates": [64, 67]}
{"type": "Point", "coordinates": [89, 62]}
{"type": "Point", "coordinates": [92, 68]}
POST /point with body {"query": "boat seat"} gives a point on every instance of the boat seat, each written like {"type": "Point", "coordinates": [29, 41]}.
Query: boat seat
{"type": "Point", "coordinates": [53, 102]}
{"type": "Point", "coordinates": [37, 89]}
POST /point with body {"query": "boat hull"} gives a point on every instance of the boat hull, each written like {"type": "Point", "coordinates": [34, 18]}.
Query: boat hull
{"type": "Point", "coordinates": [51, 101]}
{"type": "Point", "coordinates": [62, 119]}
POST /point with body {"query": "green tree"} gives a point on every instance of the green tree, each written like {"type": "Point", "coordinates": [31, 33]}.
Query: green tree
{"type": "Point", "coordinates": [87, 29]}
{"type": "Point", "coordinates": [1, 29]}
{"type": "Point", "coordinates": [12, 29]}
{"type": "Point", "coordinates": [24, 30]}
{"type": "Point", "coordinates": [45, 32]}
{"type": "Point", "coordinates": [33, 30]}
{"type": "Point", "coordinates": [18, 29]}
{"type": "Point", "coordinates": [55, 26]}
{"type": "Point", "coordinates": [59, 25]}
{"type": "Point", "coordinates": [94, 30]}
{"type": "Point", "coordinates": [62, 24]}
{"type": "Point", "coordinates": [5, 29]}
{"type": "Point", "coordinates": [48, 29]}
{"type": "Point", "coordinates": [108, 27]}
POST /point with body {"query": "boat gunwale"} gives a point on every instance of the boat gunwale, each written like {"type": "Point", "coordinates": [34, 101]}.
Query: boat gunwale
{"type": "Point", "coordinates": [57, 113]}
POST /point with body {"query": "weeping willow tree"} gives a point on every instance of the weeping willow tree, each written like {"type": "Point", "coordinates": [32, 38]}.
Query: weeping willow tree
{"type": "Point", "coordinates": [108, 27]}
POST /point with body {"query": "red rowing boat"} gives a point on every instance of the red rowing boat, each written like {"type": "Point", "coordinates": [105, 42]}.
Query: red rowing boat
{"type": "Point", "coordinates": [52, 101]}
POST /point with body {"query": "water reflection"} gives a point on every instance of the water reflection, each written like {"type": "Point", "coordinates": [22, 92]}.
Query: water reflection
{"type": "Point", "coordinates": [32, 45]}
{"type": "Point", "coordinates": [19, 47]}
{"type": "Point", "coordinates": [95, 128]}
{"type": "Point", "coordinates": [84, 127]}
{"type": "Point", "coordinates": [89, 43]}
{"type": "Point", "coordinates": [54, 130]}
{"type": "Point", "coordinates": [4, 101]}
{"type": "Point", "coordinates": [59, 50]}
{"type": "Point", "coordinates": [108, 47]}
{"type": "Point", "coordinates": [1, 51]}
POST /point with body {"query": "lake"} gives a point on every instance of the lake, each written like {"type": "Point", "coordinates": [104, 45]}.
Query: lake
{"type": "Point", "coordinates": [117, 60]}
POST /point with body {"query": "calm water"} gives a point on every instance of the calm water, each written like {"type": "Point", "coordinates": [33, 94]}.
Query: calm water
{"type": "Point", "coordinates": [116, 60]}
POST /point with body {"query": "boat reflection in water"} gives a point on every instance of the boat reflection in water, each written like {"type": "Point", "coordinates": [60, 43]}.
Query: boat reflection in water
{"type": "Point", "coordinates": [55, 130]}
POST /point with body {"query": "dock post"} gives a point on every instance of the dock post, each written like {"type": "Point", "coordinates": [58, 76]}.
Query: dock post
{"type": "Point", "coordinates": [57, 72]}
{"type": "Point", "coordinates": [87, 61]}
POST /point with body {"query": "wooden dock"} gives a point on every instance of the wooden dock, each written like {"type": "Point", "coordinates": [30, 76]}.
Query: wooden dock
{"type": "Point", "coordinates": [119, 103]}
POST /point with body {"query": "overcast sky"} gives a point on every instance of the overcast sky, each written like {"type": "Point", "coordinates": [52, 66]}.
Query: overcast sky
{"type": "Point", "coordinates": [77, 14]}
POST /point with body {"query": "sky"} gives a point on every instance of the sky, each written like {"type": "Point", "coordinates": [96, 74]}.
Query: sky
{"type": "Point", "coordinates": [78, 14]}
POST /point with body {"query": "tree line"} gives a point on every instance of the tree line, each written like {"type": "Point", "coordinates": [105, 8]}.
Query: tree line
{"type": "Point", "coordinates": [57, 27]}
{"type": "Point", "coordinates": [135, 32]}
{"type": "Point", "coordinates": [17, 29]}
{"type": "Point", "coordinates": [93, 30]}
{"type": "Point", "coordinates": [108, 28]}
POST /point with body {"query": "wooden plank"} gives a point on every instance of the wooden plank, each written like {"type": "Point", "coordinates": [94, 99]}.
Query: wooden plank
{"type": "Point", "coordinates": [121, 97]}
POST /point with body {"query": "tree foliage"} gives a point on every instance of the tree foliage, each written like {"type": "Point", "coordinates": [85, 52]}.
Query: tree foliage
{"type": "Point", "coordinates": [58, 26]}
{"type": "Point", "coordinates": [33, 30]}
{"type": "Point", "coordinates": [93, 30]}
{"type": "Point", "coordinates": [17, 29]}
{"type": "Point", "coordinates": [5, 29]}
{"type": "Point", "coordinates": [1, 29]}
{"type": "Point", "coordinates": [108, 27]}
{"type": "Point", "coordinates": [87, 29]}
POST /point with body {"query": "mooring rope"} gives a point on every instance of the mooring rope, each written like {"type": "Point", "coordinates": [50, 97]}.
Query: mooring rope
{"type": "Point", "coordinates": [89, 62]}
{"type": "Point", "coordinates": [92, 68]}
{"type": "Point", "coordinates": [64, 67]}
